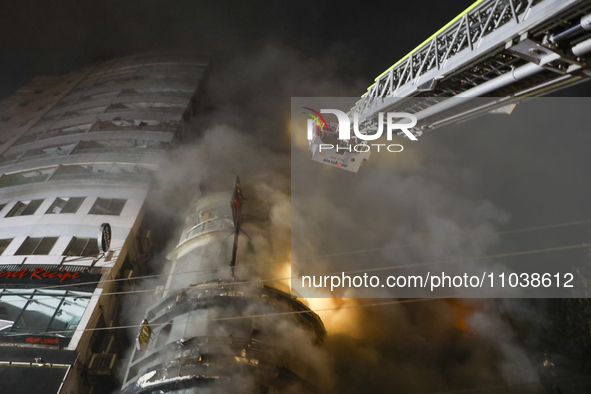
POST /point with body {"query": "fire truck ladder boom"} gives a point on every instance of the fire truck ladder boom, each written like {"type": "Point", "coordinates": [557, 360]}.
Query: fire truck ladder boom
{"type": "Point", "coordinates": [506, 50]}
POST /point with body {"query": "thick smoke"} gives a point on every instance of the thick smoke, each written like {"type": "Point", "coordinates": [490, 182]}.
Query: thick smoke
{"type": "Point", "coordinates": [422, 347]}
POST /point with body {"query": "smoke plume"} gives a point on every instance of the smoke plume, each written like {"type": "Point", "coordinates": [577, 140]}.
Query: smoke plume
{"type": "Point", "coordinates": [423, 347]}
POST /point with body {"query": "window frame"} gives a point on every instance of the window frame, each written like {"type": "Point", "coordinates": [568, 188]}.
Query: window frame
{"type": "Point", "coordinates": [3, 248]}
{"type": "Point", "coordinates": [67, 200]}
{"type": "Point", "coordinates": [62, 297]}
{"type": "Point", "coordinates": [92, 242]}
{"type": "Point", "coordinates": [99, 199]}
{"type": "Point", "coordinates": [17, 253]}
{"type": "Point", "coordinates": [24, 205]}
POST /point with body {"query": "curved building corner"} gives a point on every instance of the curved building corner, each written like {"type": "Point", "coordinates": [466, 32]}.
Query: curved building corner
{"type": "Point", "coordinates": [218, 328]}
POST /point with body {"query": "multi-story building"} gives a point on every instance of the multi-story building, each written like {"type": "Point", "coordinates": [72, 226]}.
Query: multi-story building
{"type": "Point", "coordinates": [220, 327]}
{"type": "Point", "coordinates": [77, 151]}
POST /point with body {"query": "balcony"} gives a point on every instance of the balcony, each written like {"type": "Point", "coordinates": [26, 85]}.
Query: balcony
{"type": "Point", "coordinates": [209, 226]}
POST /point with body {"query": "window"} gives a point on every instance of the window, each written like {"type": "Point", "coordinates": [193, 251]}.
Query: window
{"type": "Point", "coordinates": [98, 170]}
{"type": "Point", "coordinates": [66, 205]}
{"type": "Point", "coordinates": [2, 206]}
{"type": "Point", "coordinates": [82, 247]}
{"type": "Point", "coordinates": [19, 178]}
{"type": "Point", "coordinates": [52, 151]}
{"type": "Point", "coordinates": [85, 111]}
{"type": "Point", "coordinates": [76, 129]}
{"type": "Point", "coordinates": [38, 311]}
{"type": "Point", "coordinates": [24, 208]}
{"type": "Point", "coordinates": [4, 244]}
{"type": "Point", "coordinates": [36, 246]}
{"type": "Point", "coordinates": [107, 206]}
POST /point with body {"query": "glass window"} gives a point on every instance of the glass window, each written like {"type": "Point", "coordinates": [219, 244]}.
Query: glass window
{"type": "Point", "coordinates": [23, 208]}
{"type": "Point", "coordinates": [19, 178]}
{"type": "Point", "coordinates": [39, 311]}
{"type": "Point", "coordinates": [82, 128]}
{"type": "Point", "coordinates": [45, 245]}
{"type": "Point", "coordinates": [58, 150]}
{"type": "Point", "coordinates": [4, 244]}
{"type": "Point", "coordinates": [71, 169]}
{"type": "Point", "coordinates": [85, 111]}
{"type": "Point", "coordinates": [18, 208]}
{"type": "Point", "coordinates": [31, 207]}
{"type": "Point", "coordinates": [35, 316]}
{"type": "Point", "coordinates": [65, 205]}
{"type": "Point", "coordinates": [73, 204]}
{"type": "Point", "coordinates": [82, 247]}
{"type": "Point", "coordinates": [57, 205]}
{"type": "Point", "coordinates": [107, 206]}
{"type": "Point", "coordinates": [36, 246]}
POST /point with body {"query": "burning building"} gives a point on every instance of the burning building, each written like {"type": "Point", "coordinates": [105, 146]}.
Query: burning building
{"type": "Point", "coordinates": [218, 328]}
{"type": "Point", "coordinates": [78, 156]}
{"type": "Point", "coordinates": [76, 152]}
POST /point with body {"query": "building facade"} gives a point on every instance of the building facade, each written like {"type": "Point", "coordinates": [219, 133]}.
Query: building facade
{"type": "Point", "coordinates": [220, 327]}
{"type": "Point", "coordinates": [78, 151]}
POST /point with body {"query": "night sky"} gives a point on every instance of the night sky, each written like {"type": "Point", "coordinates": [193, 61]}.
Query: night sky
{"type": "Point", "coordinates": [45, 38]}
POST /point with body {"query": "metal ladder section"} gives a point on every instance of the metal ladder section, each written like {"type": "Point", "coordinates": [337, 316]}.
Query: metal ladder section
{"type": "Point", "coordinates": [505, 49]}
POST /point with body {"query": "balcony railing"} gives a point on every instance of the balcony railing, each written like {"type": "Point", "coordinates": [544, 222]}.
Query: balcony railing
{"type": "Point", "coordinates": [208, 226]}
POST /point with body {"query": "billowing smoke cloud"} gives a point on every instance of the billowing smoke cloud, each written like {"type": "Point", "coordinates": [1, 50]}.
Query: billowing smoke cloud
{"type": "Point", "coordinates": [423, 347]}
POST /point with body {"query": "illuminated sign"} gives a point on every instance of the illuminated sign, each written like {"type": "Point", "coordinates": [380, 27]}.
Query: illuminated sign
{"type": "Point", "coordinates": [40, 273]}
{"type": "Point", "coordinates": [36, 340]}
{"type": "Point", "coordinates": [42, 340]}
{"type": "Point", "coordinates": [34, 276]}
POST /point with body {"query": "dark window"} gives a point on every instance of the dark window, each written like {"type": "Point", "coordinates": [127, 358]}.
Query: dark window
{"type": "Point", "coordinates": [4, 244]}
{"type": "Point", "coordinates": [98, 335]}
{"type": "Point", "coordinates": [66, 205]}
{"type": "Point", "coordinates": [2, 206]}
{"type": "Point", "coordinates": [82, 247]}
{"type": "Point", "coordinates": [32, 207]}
{"type": "Point", "coordinates": [36, 246]}
{"type": "Point", "coordinates": [23, 208]}
{"type": "Point", "coordinates": [73, 204]}
{"type": "Point", "coordinates": [18, 208]}
{"type": "Point", "coordinates": [107, 206]}
{"type": "Point", "coordinates": [57, 205]}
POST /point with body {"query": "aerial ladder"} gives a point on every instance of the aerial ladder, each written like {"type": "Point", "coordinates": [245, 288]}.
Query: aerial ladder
{"type": "Point", "coordinates": [501, 51]}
